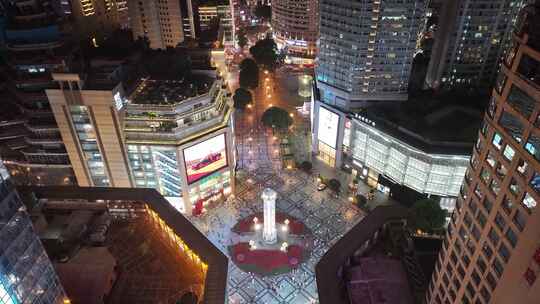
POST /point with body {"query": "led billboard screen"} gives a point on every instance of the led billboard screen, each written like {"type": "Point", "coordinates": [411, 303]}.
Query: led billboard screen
{"type": "Point", "coordinates": [328, 127]}
{"type": "Point", "coordinates": [205, 158]}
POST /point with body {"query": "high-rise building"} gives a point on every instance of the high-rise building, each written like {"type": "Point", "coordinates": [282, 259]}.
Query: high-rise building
{"type": "Point", "coordinates": [164, 23]}
{"type": "Point", "coordinates": [222, 11]}
{"type": "Point", "coordinates": [491, 253]}
{"type": "Point", "coordinates": [97, 18]}
{"type": "Point", "coordinates": [26, 273]}
{"type": "Point", "coordinates": [34, 48]}
{"type": "Point", "coordinates": [470, 42]}
{"type": "Point", "coordinates": [175, 136]}
{"type": "Point", "coordinates": [295, 26]}
{"type": "Point", "coordinates": [366, 50]}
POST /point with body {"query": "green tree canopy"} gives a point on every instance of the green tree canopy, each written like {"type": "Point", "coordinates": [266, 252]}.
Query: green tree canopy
{"type": "Point", "coordinates": [265, 53]}
{"type": "Point", "coordinates": [242, 98]}
{"type": "Point", "coordinates": [334, 185]}
{"type": "Point", "coordinates": [275, 117]}
{"type": "Point", "coordinates": [427, 215]}
{"type": "Point", "coordinates": [306, 166]}
{"type": "Point", "coordinates": [241, 37]}
{"type": "Point", "coordinates": [249, 74]}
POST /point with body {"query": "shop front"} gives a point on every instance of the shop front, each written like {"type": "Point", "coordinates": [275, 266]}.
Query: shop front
{"type": "Point", "coordinates": [210, 190]}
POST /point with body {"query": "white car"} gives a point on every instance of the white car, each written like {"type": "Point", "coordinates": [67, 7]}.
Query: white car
{"type": "Point", "coordinates": [321, 187]}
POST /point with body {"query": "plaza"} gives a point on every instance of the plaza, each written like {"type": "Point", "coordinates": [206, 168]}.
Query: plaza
{"type": "Point", "coordinates": [328, 218]}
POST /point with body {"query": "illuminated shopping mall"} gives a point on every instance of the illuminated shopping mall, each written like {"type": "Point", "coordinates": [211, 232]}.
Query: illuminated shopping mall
{"type": "Point", "coordinates": [174, 136]}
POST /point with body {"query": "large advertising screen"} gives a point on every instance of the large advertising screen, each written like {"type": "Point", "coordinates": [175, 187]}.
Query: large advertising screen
{"type": "Point", "coordinates": [328, 127]}
{"type": "Point", "coordinates": [205, 158]}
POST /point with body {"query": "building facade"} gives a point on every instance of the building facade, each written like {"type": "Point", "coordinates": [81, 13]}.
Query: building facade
{"type": "Point", "coordinates": [295, 26]}
{"type": "Point", "coordinates": [164, 23]}
{"type": "Point", "coordinates": [168, 135]}
{"type": "Point", "coordinates": [470, 42]}
{"type": "Point", "coordinates": [26, 273]}
{"type": "Point", "coordinates": [491, 253]}
{"type": "Point", "coordinates": [97, 18]}
{"type": "Point", "coordinates": [222, 12]}
{"type": "Point", "coordinates": [34, 48]}
{"type": "Point", "coordinates": [378, 155]}
{"type": "Point", "coordinates": [366, 49]}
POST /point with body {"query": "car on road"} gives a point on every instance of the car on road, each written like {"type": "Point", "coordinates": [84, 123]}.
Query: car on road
{"type": "Point", "coordinates": [321, 187]}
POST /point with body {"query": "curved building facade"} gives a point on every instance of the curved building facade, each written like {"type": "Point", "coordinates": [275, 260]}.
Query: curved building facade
{"type": "Point", "coordinates": [295, 25]}
{"type": "Point", "coordinates": [491, 253]}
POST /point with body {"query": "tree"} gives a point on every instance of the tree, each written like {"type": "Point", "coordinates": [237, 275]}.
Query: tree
{"type": "Point", "coordinates": [242, 98]}
{"type": "Point", "coordinates": [360, 200]}
{"type": "Point", "coordinates": [275, 117]}
{"type": "Point", "coordinates": [334, 185]}
{"type": "Point", "coordinates": [427, 215]}
{"type": "Point", "coordinates": [265, 53]}
{"type": "Point", "coordinates": [263, 12]}
{"type": "Point", "coordinates": [249, 74]}
{"type": "Point", "coordinates": [241, 37]}
{"type": "Point", "coordinates": [306, 166]}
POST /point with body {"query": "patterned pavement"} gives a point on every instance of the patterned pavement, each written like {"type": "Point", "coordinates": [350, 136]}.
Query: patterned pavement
{"type": "Point", "coordinates": [259, 166]}
{"type": "Point", "coordinates": [327, 217]}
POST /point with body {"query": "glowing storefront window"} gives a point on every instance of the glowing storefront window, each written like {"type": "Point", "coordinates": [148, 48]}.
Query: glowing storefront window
{"type": "Point", "coordinates": [427, 173]}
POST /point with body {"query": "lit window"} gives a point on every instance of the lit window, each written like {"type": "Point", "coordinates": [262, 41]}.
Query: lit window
{"type": "Point", "coordinates": [522, 167]}
{"type": "Point", "coordinates": [528, 201]}
{"type": "Point", "coordinates": [497, 141]}
{"type": "Point", "coordinates": [535, 182]}
{"type": "Point", "coordinates": [514, 187]}
{"type": "Point", "coordinates": [509, 152]}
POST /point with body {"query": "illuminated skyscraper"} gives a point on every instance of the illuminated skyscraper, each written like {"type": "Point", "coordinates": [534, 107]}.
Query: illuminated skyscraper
{"type": "Point", "coordinates": [95, 18]}
{"type": "Point", "coordinates": [34, 48]}
{"type": "Point", "coordinates": [470, 42]}
{"type": "Point", "coordinates": [164, 23]}
{"type": "Point", "coordinates": [26, 273]}
{"type": "Point", "coordinates": [491, 253]}
{"type": "Point", "coordinates": [295, 26]}
{"type": "Point", "coordinates": [366, 49]}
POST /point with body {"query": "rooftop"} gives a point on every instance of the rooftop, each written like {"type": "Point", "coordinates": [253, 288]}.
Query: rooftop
{"type": "Point", "coordinates": [167, 92]}
{"type": "Point", "coordinates": [330, 284]}
{"type": "Point", "coordinates": [434, 124]}
{"type": "Point", "coordinates": [140, 237]}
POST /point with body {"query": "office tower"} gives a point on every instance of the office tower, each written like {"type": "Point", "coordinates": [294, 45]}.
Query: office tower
{"type": "Point", "coordinates": [31, 144]}
{"type": "Point", "coordinates": [85, 111]}
{"type": "Point", "coordinates": [222, 11]}
{"type": "Point", "coordinates": [174, 136]}
{"type": "Point", "coordinates": [26, 273]}
{"type": "Point", "coordinates": [97, 18]}
{"type": "Point", "coordinates": [295, 26]}
{"type": "Point", "coordinates": [164, 23]}
{"type": "Point", "coordinates": [366, 50]}
{"type": "Point", "coordinates": [470, 42]}
{"type": "Point", "coordinates": [491, 253]}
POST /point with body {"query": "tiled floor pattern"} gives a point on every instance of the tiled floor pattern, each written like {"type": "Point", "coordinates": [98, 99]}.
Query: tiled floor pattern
{"type": "Point", "coordinates": [327, 217]}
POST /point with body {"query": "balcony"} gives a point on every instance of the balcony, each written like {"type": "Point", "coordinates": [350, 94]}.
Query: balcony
{"type": "Point", "coordinates": [32, 140]}
{"type": "Point", "coordinates": [177, 134]}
